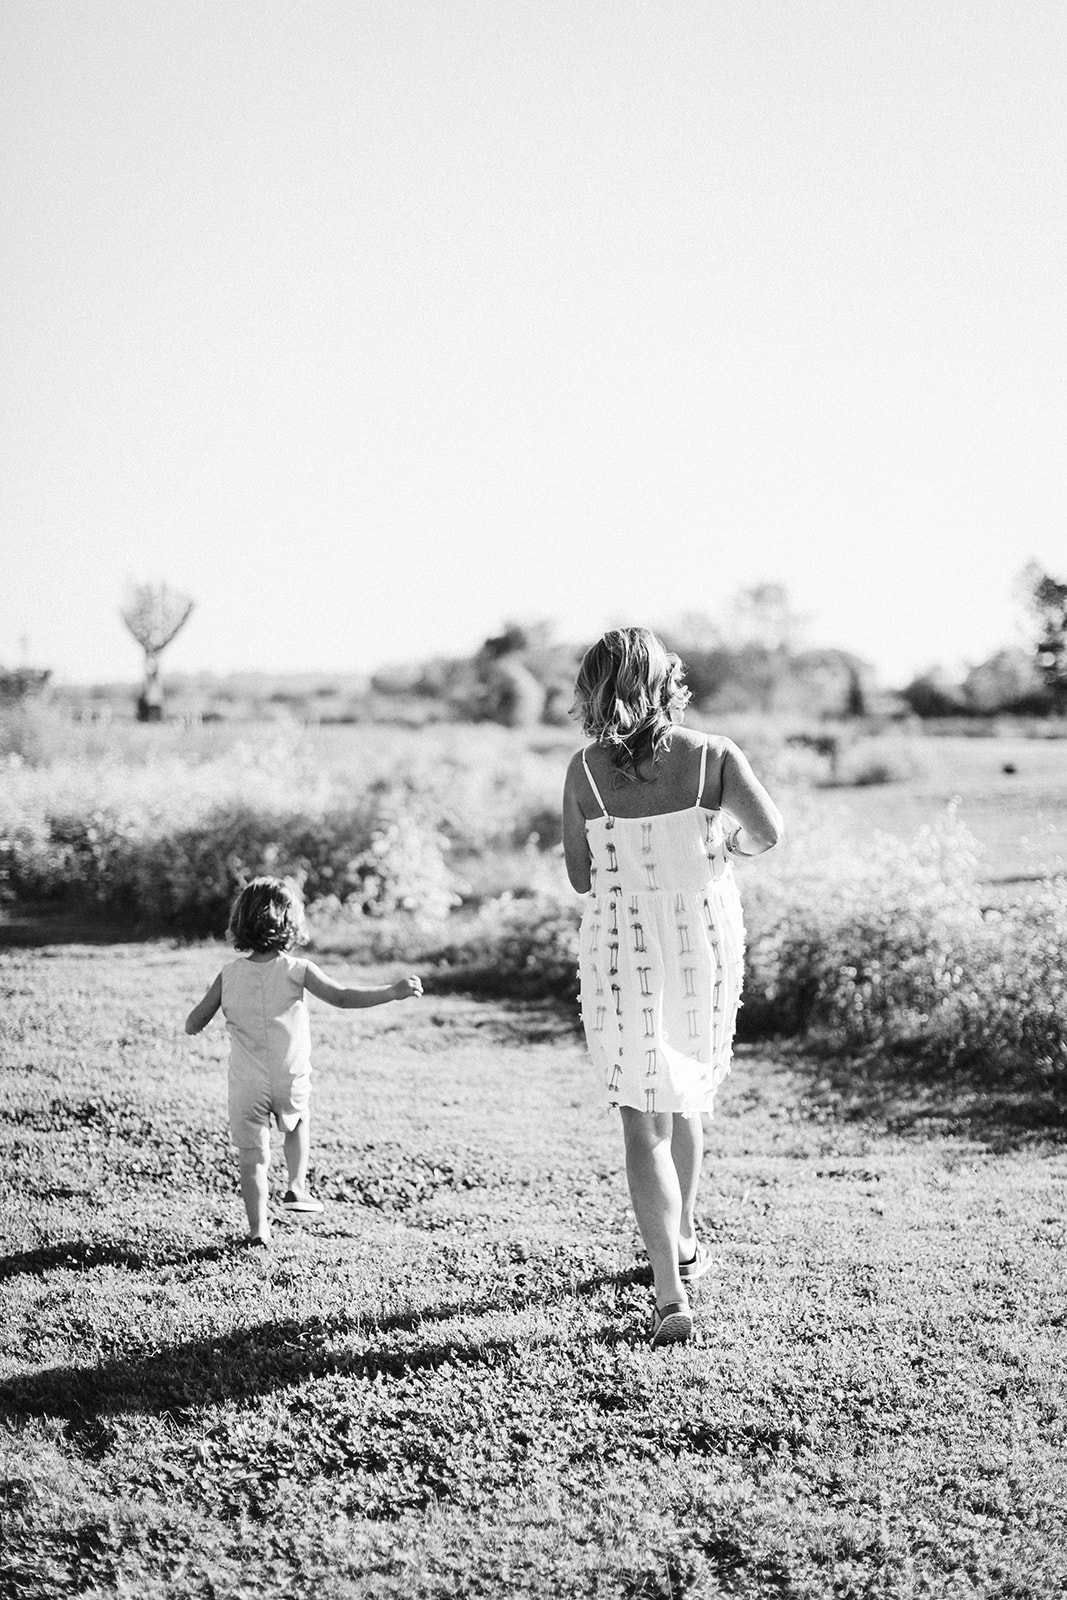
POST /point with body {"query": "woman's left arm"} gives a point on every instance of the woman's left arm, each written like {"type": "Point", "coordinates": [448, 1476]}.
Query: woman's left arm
{"type": "Point", "coordinates": [575, 843]}
{"type": "Point", "coordinates": [747, 801]}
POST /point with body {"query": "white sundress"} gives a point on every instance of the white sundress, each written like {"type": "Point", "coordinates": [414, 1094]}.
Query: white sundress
{"type": "Point", "coordinates": [661, 956]}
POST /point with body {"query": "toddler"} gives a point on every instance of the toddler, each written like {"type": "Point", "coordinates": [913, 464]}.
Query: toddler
{"type": "Point", "coordinates": [262, 998]}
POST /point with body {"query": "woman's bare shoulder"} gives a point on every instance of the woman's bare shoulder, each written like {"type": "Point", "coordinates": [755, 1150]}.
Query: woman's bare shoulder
{"type": "Point", "coordinates": [683, 738]}
{"type": "Point", "coordinates": [576, 783]}
{"type": "Point", "coordinates": [687, 740]}
{"type": "Point", "coordinates": [717, 743]}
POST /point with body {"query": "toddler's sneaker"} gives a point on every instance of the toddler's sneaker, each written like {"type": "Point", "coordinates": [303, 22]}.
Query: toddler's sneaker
{"type": "Point", "coordinates": [300, 1202]}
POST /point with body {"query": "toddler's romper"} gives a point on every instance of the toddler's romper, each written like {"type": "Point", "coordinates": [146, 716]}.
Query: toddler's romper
{"type": "Point", "coordinates": [270, 1047]}
{"type": "Point", "coordinates": [661, 955]}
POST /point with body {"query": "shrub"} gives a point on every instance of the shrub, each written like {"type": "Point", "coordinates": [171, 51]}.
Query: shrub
{"type": "Point", "coordinates": [894, 953]}
{"type": "Point", "coordinates": [889, 950]}
{"type": "Point", "coordinates": [31, 731]}
{"type": "Point", "coordinates": [1010, 1014]}
{"type": "Point", "coordinates": [522, 948]}
{"type": "Point", "coordinates": [185, 878]}
{"type": "Point", "coordinates": [402, 871]}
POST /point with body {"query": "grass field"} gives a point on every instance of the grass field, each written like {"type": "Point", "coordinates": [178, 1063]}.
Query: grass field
{"type": "Point", "coordinates": [1017, 816]}
{"type": "Point", "coordinates": [443, 1387]}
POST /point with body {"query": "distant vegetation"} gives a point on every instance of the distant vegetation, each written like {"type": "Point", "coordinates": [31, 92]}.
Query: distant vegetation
{"type": "Point", "coordinates": [443, 839]}
{"type": "Point", "coordinates": [753, 659]}
{"type": "Point", "coordinates": [442, 845]}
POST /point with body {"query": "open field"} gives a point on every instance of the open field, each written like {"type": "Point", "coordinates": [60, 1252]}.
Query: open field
{"type": "Point", "coordinates": [442, 1387]}
{"type": "Point", "coordinates": [92, 805]}
{"type": "Point", "coordinates": [1018, 817]}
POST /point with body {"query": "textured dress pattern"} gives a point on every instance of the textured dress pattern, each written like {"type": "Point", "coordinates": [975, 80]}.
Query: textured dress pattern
{"type": "Point", "coordinates": [661, 956]}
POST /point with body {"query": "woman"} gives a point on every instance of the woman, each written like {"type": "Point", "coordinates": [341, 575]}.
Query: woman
{"type": "Point", "coordinates": [653, 816]}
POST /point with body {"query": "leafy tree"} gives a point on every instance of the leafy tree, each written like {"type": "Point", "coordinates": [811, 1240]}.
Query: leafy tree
{"type": "Point", "coordinates": [1047, 601]}
{"type": "Point", "coordinates": [761, 616]}
{"type": "Point", "coordinates": [22, 684]}
{"type": "Point", "coordinates": [510, 693]}
{"type": "Point", "coordinates": [1007, 681]}
{"type": "Point", "coordinates": [932, 694]}
{"type": "Point", "coordinates": [750, 657]}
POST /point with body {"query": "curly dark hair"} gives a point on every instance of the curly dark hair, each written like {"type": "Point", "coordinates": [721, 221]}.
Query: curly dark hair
{"type": "Point", "coordinates": [268, 914]}
{"type": "Point", "coordinates": [629, 693]}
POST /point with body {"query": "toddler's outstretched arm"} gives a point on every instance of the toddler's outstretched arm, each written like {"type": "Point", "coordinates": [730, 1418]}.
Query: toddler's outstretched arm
{"type": "Point", "coordinates": [205, 1009]}
{"type": "Point", "coordinates": [335, 994]}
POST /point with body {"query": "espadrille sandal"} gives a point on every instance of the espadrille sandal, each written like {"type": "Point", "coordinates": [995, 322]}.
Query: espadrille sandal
{"type": "Point", "coordinates": [690, 1271]}
{"type": "Point", "coordinates": [671, 1324]}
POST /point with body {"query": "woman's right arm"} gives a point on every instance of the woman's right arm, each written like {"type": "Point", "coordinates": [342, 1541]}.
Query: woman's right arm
{"type": "Point", "coordinates": [575, 843]}
{"type": "Point", "coordinates": [744, 797]}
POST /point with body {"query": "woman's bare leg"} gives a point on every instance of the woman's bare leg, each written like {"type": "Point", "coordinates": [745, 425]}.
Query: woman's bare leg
{"type": "Point", "coordinates": [687, 1153]}
{"type": "Point", "coordinates": [656, 1195]}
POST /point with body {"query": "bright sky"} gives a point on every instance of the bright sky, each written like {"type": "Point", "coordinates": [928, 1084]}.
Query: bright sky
{"type": "Point", "coordinates": [374, 323]}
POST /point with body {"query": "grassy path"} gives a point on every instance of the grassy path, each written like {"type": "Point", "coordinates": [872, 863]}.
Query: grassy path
{"type": "Point", "coordinates": [442, 1387]}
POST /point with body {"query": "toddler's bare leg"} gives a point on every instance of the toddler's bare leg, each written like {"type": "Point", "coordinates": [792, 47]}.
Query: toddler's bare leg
{"type": "Point", "coordinates": [297, 1146]}
{"type": "Point", "coordinates": [254, 1164]}
{"type": "Point", "coordinates": [687, 1153]}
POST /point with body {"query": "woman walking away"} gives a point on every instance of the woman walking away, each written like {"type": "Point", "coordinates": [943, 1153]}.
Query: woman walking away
{"type": "Point", "coordinates": [653, 818]}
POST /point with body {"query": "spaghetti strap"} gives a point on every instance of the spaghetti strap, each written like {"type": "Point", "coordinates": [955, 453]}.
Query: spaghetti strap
{"type": "Point", "coordinates": [593, 786]}
{"type": "Point", "coordinates": [703, 770]}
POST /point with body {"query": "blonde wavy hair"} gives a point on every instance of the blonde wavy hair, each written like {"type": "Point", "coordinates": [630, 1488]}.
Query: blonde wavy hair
{"type": "Point", "coordinates": [629, 692]}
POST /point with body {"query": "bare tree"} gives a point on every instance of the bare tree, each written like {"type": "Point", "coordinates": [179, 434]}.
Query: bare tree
{"type": "Point", "coordinates": [154, 614]}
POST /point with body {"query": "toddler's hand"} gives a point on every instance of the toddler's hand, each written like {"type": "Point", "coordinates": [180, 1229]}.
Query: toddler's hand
{"type": "Point", "coordinates": [409, 988]}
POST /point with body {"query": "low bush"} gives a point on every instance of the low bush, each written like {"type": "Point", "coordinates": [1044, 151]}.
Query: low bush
{"type": "Point", "coordinates": [358, 861]}
{"type": "Point", "coordinates": [893, 952]}
{"type": "Point", "coordinates": [163, 835]}
{"type": "Point", "coordinates": [519, 947]}
{"type": "Point", "coordinates": [889, 952]}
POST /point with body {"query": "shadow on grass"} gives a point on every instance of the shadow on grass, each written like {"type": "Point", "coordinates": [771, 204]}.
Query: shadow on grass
{"type": "Point", "coordinates": [257, 1360]}
{"type": "Point", "coordinates": [910, 1099]}
{"type": "Point", "coordinates": [82, 1255]}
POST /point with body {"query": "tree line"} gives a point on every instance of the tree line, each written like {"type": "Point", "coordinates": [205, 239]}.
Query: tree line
{"type": "Point", "coordinates": [751, 658]}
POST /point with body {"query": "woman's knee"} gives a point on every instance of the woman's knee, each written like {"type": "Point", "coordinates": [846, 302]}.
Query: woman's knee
{"type": "Point", "coordinates": [646, 1129]}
